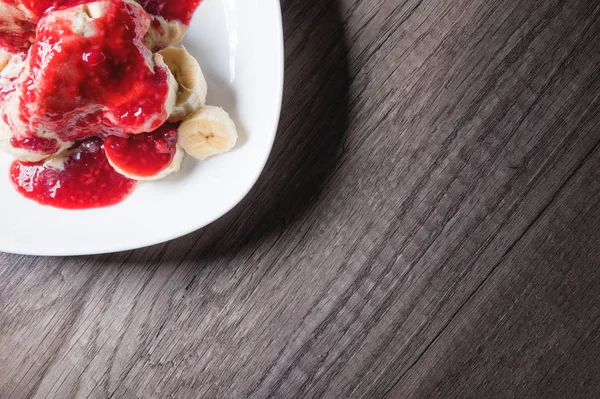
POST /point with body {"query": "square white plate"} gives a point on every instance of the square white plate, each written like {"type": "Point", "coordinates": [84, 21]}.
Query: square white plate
{"type": "Point", "coordinates": [239, 44]}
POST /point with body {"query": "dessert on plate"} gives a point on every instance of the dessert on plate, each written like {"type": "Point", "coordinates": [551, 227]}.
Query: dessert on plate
{"type": "Point", "coordinates": [94, 96]}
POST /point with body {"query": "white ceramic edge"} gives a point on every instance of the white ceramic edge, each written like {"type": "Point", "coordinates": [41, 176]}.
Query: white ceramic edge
{"type": "Point", "coordinates": [166, 238]}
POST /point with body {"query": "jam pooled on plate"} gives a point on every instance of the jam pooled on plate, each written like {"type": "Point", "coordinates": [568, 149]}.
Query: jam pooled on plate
{"type": "Point", "coordinates": [83, 180]}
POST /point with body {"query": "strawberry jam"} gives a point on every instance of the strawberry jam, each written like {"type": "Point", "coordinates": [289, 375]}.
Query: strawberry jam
{"type": "Point", "coordinates": [36, 8]}
{"type": "Point", "coordinates": [16, 37]}
{"type": "Point", "coordinates": [180, 10]}
{"type": "Point", "coordinates": [88, 78]}
{"type": "Point", "coordinates": [143, 155]}
{"type": "Point", "coordinates": [39, 145]}
{"type": "Point", "coordinates": [80, 85]}
{"type": "Point", "coordinates": [17, 26]}
{"type": "Point", "coordinates": [86, 181]}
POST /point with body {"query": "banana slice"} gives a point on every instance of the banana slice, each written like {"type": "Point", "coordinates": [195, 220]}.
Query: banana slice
{"type": "Point", "coordinates": [191, 94]}
{"type": "Point", "coordinates": [174, 167]}
{"type": "Point", "coordinates": [163, 33]}
{"type": "Point", "coordinates": [146, 156]}
{"type": "Point", "coordinates": [209, 131]}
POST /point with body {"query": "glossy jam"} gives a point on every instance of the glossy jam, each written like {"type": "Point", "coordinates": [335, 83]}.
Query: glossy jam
{"type": "Point", "coordinates": [17, 27]}
{"type": "Point", "coordinates": [87, 180]}
{"type": "Point", "coordinates": [180, 10]}
{"type": "Point", "coordinates": [79, 86]}
{"type": "Point", "coordinates": [16, 37]}
{"type": "Point", "coordinates": [17, 32]}
{"type": "Point", "coordinates": [35, 144]}
{"type": "Point", "coordinates": [38, 7]}
{"type": "Point", "coordinates": [95, 86]}
{"type": "Point", "coordinates": [143, 155]}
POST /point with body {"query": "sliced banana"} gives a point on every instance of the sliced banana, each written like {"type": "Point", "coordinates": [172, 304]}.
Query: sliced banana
{"type": "Point", "coordinates": [174, 167]}
{"type": "Point", "coordinates": [171, 100]}
{"type": "Point", "coordinates": [163, 33]}
{"type": "Point", "coordinates": [209, 131]}
{"type": "Point", "coordinates": [191, 94]}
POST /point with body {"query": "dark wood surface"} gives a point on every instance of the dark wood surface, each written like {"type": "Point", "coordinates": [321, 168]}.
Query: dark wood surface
{"type": "Point", "coordinates": [427, 227]}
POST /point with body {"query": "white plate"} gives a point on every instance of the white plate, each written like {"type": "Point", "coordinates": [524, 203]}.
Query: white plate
{"type": "Point", "coordinates": [239, 44]}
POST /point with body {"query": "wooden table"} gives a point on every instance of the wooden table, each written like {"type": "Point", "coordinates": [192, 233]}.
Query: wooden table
{"type": "Point", "coordinates": [428, 226]}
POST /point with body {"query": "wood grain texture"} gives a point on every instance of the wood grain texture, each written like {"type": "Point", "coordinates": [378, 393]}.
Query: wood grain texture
{"type": "Point", "coordinates": [426, 227]}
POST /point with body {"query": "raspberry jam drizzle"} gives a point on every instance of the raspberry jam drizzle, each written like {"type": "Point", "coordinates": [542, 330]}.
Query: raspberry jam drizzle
{"type": "Point", "coordinates": [86, 181]}
{"type": "Point", "coordinates": [37, 7]}
{"type": "Point", "coordinates": [72, 80]}
{"type": "Point", "coordinates": [143, 155]}
{"type": "Point", "coordinates": [179, 10]}
{"type": "Point", "coordinates": [36, 144]}
{"type": "Point", "coordinates": [16, 37]}
{"type": "Point", "coordinates": [77, 85]}
{"type": "Point", "coordinates": [17, 27]}
{"type": "Point", "coordinates": [17, 30]}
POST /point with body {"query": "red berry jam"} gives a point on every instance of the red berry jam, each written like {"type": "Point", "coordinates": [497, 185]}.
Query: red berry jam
{"type": "Point", "coordinates": [81, 85]}
{"type": "Point", "coordinates": [17, 25]}
{"type": "Point", "coordinates": [16, 37]}
{"type": "Point", "coordinates": [143, 155]}
{"type": "Point", "coordinates": [180, 10]}
{"type": "Point", "coordinates": [17, 28]}
{"type": "Point", "coordinates": [85, 87]}
{"type": "Point", "coordinates": [37, 7]}
{"type": "Point", "coordinates": [87, 180]}
{"type": "Point", "coordinates": [39, 145]}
